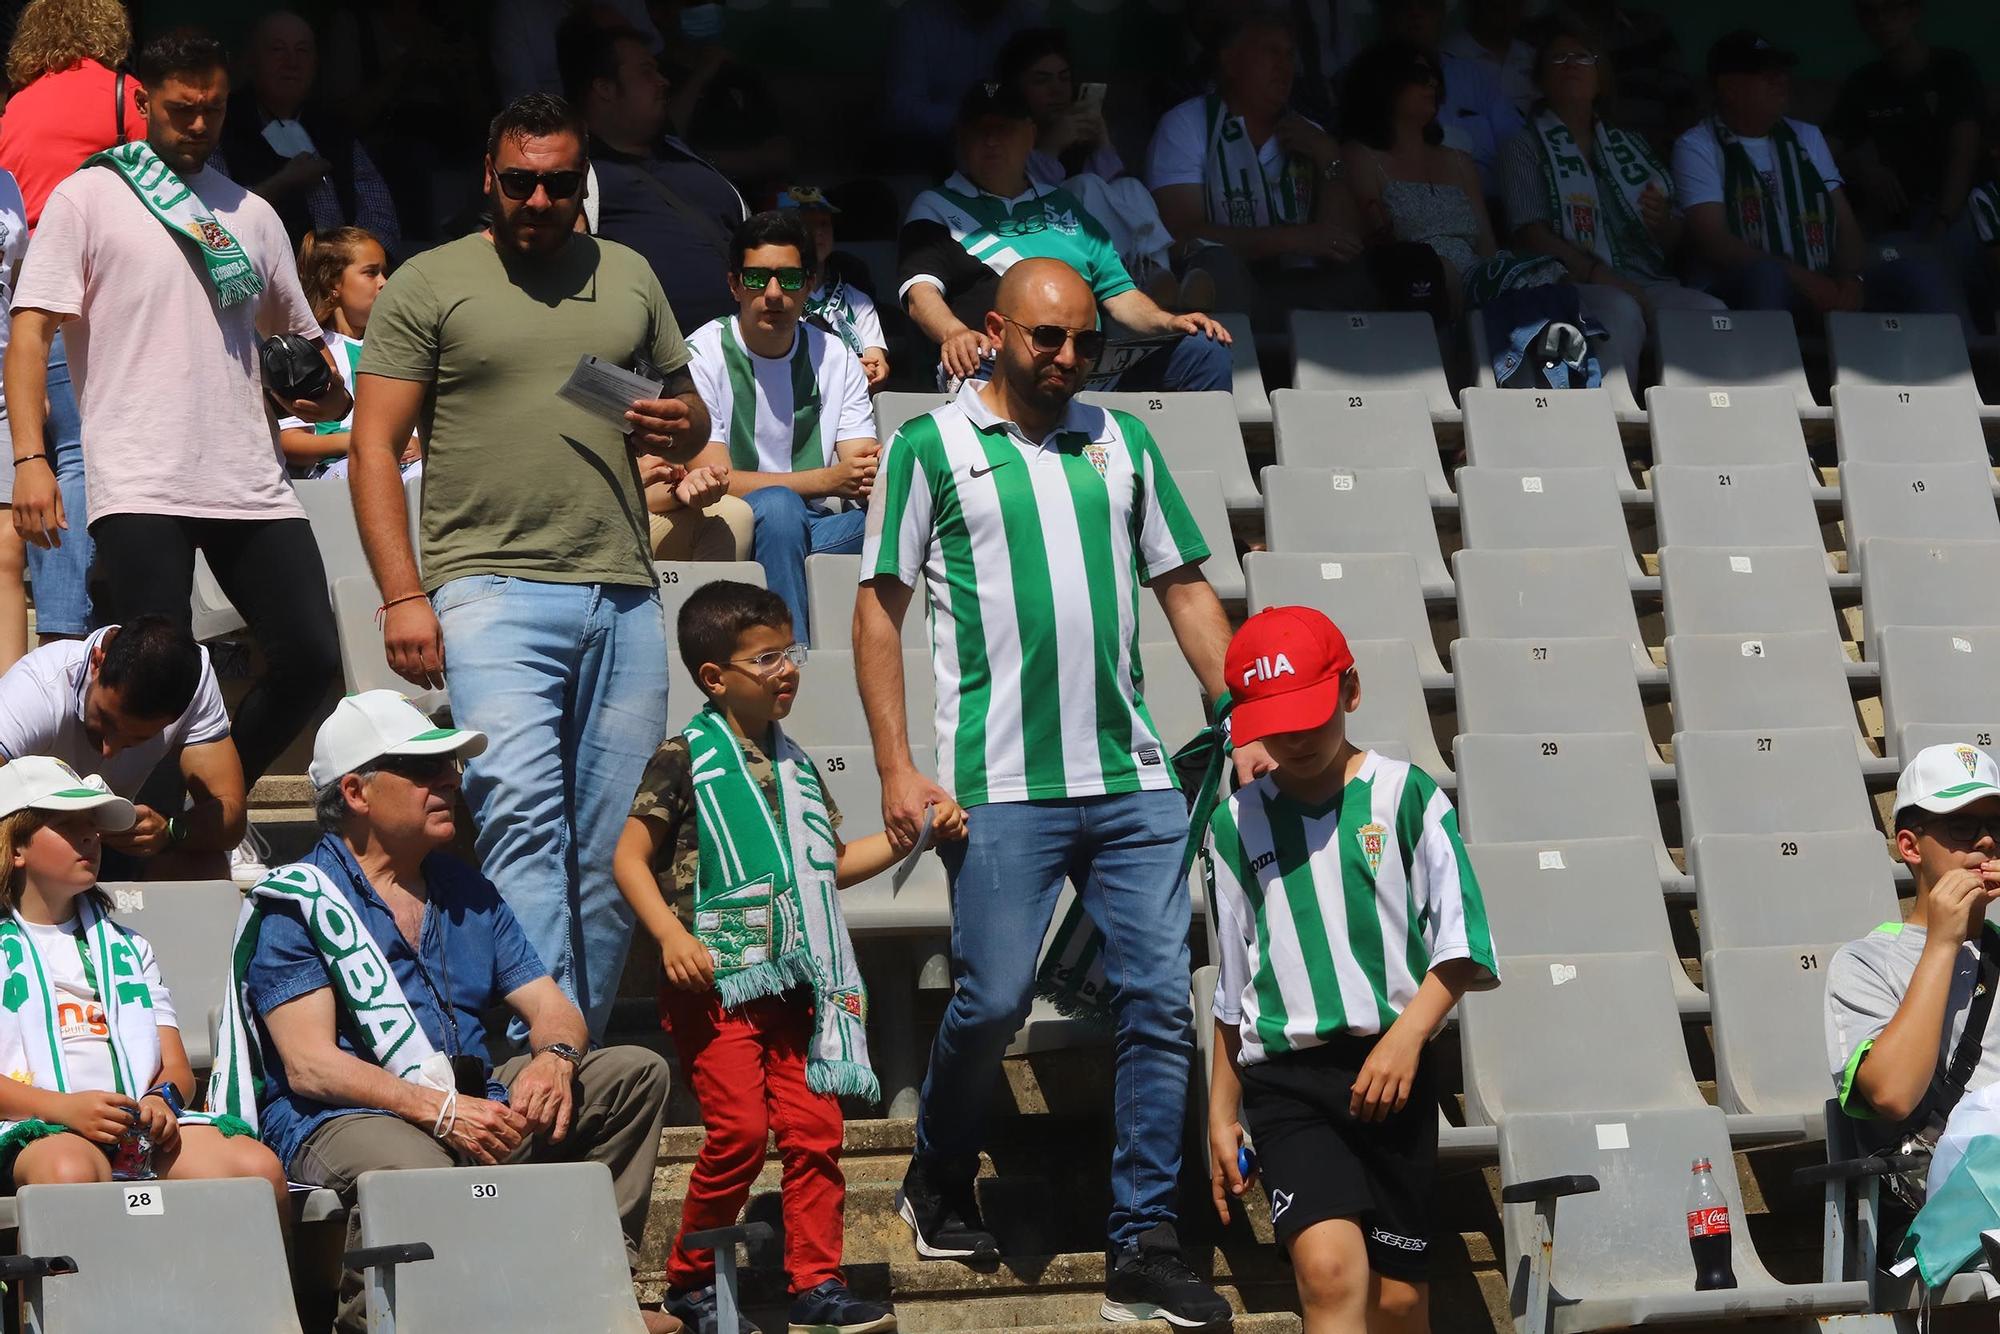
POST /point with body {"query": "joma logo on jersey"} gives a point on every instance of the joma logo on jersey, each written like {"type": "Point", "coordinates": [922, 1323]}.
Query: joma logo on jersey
{"type": "Point", "coordinates": [1372, 836]}
{"type": "Point", "coordinates": [1269, 669]}
{"type": "Point", "coordinates": [1262, 860]}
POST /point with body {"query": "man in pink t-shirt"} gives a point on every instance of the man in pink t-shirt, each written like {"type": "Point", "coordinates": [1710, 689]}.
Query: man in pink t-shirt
{"type": "Point", "coordinates": [180, 441]}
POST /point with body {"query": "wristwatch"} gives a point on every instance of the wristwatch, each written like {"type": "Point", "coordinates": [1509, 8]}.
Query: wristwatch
{"type": "Point", "coordinates": [564, 1050]}
{"type": "Point", "coordinates": [167, 1093]}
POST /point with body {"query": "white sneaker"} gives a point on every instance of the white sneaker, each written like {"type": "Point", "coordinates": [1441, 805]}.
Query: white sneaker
{"type": "Point", "coordinates": [249, 860]}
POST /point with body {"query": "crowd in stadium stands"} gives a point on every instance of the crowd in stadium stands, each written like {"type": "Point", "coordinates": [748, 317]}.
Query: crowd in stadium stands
{"type": "Point", "coordinates": [222, 278]}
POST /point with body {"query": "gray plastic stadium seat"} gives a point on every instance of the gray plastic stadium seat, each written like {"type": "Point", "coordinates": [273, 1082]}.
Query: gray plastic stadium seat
{"type": "Point", "coordinates": [514, 1248]}
{"type": "Point", "coordinates": [1890, 424]}
{"type": "Point", "coordinates": [1512, 508]}
{"type": "Point", "coordinates": [1706, 427]}
{"type": "Point", "coordinates": [1620, 1256]}
{"type": "Point", "coordinates": [1770, 781]}
{"type": "Point", "coordinates": [1940, 678]}
{"type": "Point", "coordinates": [1768, 1016]}
{"type": "Point", "coordinates": [1731, 505]}
{"type": "Point", "coordinates": [1739, 348]}
{"type": "Point", "coordinates": [1392, 717]}
{"type": "Point", "coordinates": [1928, 583]}
{"type": "Point", "coordinates": [1369, 596]}
{"type": "Point", "coordinates": [893, 407]}
{"type": "Point", "coordinates": [827, 709]}
{"type": "Point", "coordinates": [1745, 590]}
{"type": "Point", "coordinates": [830, 585]}
{"type": "Point", "coordinates": [1922, 501]}
{"type": "Point", "coordinates": [364, 662]}
{"type": "Point", "coordinates": [329, 506]}
{"type": "Point", "coordinates": [1196, 432]}
{"type": "Point", "coordinates": [872, 907]}
{"type": "Point", "coordinates": [1567, 594]}
{"type": "Point", "coordinates": [1870, 348]}
{"type": "Point", "coordinates": [1388, 428]}
{"type": "Point", "coordinates": [1777, 889]}
{"type": "Point", "coordinates": [1246, 373]}
{"type": "Point", "coordinates": [1580, 896]}
{"type": "Point", "coordinates": [1523, 789]}
{"type": "Point", "coordinates": [1537, 429]}
{"type": "Point", "coordinates": [680, 578]}
{"type": "Point", "coordinates": [1571, 1030]}
{"type": "Point", "coordinates": [1354, 352]}
{"type": "Point", "coordinates": [1539, 686]}
{"type": "Point", "coordinates": [1172, 694]}
{"type": "Point", "coordinates": [169, 1256]}
{"type": "Point", "coordinates": [1224, 568]}
{"type": "Point", "coordinates": [190, 924]}
{"type": "Point", "coordinates": [1359, 509]}
{"type": "Point", "coordinates": [1724, 683]}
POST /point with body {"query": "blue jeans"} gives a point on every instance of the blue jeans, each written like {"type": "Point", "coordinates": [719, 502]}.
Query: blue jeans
{"type": "Point", "coordinates": [1124, 853]}
{"type": "Point", "coordinates": [1196, 362]}
{"type": "Point", "coordinates": [61, 575]}
{"type": "Point", "coordinates": [1913, 284]}
{"type": "Point", "coordinates": [569, 684]}
{"type": "Point", "coordinates": [788, 529]}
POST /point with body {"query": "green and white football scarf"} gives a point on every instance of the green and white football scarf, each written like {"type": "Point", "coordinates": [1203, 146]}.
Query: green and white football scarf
{"type": "Point", "coordinates": [1983, 203]}
{"type": "Point", "coordinates": [829, 306]}
{"type": "Point", "coordinates": [808, 446]}
{"type": "Point", "coordinates": [765, 900]}
{"type": "Point", "coordinates": [371, 1002]}
{"type": "Point", "coordinates": [31, 1047]}
{"type": "Point", "coordinates": [1071, 975]}
{"type": "Point", "coordinates": [1614, 230]}
{"type": "Point", "coordinates": [229, 269]}
{"type": "Point", "coordinates": [1238, 193]}
{"type": "Point", "coordinates": [1806, 234]}
{"type": "Point", "coordinates": [1506, 272]}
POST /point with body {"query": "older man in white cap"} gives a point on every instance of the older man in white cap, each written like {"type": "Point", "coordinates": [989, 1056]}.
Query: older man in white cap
{"type": "Point", "coordinates": [1907, 1005]}
{"type": "Point", "coordinates": [333, 1107]}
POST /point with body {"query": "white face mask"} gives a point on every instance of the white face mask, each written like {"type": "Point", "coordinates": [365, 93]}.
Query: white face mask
{"type": "Point", "coordinates": [701, 23]}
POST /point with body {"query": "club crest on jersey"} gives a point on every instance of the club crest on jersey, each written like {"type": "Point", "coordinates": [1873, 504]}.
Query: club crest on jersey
{"type": "Point", "coordinates": [1269, 669]}
{"type": "Point", "coordinates": [1100, 458]}
{"type": "Point", "coordinates": [1968, 757]}
{"type": "Point", "coordinates": [1372, 836]}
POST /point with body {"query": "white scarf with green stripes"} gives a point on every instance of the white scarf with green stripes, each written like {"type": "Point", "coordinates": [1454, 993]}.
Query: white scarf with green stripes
{"type": "Point", "coordinates": [1613, 228]}
{"type": "Point", "coordinates": [1800, 224]}
{"type": "Point", "coordinates": [766, 903]}
{"type": "Point", "coordinates": [370, 998]}
{"type": "Point", "coordinates": [1238, 193]}
{"type": "Point", "coordinates": [31, 1047]}
{"type": "Point", "coordinates": [809, 444]}
{"type": "Point", "coordinates": [181, 212]}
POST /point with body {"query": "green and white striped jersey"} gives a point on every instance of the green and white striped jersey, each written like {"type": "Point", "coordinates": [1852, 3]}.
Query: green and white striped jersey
{"type": "Point", "coordinates": [1328, 920]}
{"type": "Point", "coordinates": [1033, 553]}
{"type": "Point", "coordinates": [781, 414]}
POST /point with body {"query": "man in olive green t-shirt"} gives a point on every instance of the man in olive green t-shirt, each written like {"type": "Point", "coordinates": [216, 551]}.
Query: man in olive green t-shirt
{"type": "Point", "coordinates": [536, 560]}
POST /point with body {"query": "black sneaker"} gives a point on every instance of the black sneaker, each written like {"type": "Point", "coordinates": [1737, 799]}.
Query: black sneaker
{"type": "Point", "coordinates": [1150, 1281]}
{"type": "Point", "coordinates": [944, 1213]}
{"type": "Point", "coordinates": [695, 1309]}
{"type": "Point", "coordinates": [831, 1309]}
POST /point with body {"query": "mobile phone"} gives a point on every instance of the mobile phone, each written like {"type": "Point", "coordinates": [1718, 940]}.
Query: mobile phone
{"type": "Point", "coordinates": [1090, 97]}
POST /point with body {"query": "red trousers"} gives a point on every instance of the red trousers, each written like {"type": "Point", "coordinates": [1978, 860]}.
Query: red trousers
{"type": "Point", "coordinates": [748, 1071]}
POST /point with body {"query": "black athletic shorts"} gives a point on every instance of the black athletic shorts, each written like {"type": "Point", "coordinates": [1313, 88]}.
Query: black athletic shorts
{"type": "Point", "coordinates": [1318, 1162]}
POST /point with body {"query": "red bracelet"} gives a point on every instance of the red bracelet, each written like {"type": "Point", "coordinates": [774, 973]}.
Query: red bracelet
{"type": "Point", "coordinates": [384, 608]}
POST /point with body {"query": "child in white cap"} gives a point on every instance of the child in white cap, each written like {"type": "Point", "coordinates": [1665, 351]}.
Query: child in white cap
{"type": "Point", "coordinates": [89, 1040]}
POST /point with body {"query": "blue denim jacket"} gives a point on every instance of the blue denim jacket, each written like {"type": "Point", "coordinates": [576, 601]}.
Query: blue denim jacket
{"type": "Point", "coordinates": [1515, 323]}
{"type": "Point", "coordinates": [474, 954]}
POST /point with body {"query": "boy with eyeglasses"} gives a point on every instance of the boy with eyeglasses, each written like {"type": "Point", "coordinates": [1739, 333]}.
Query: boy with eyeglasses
{"type": "Point", "coordinates": [790, 420]}
{"type": "Point", "coordinates": [1906, 1030]}
{"type": "Point", "coordinates": [729, 860]}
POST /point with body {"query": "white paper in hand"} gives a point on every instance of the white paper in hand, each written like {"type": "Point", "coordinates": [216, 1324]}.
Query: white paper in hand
{"type": "Point", "coordinates": [908, 865]}
{"type": "Point", "coordinates": [606, 390]}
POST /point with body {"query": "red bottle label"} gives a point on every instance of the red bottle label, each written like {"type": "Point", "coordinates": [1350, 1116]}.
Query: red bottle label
{"type": "Point", "coordinates": [1710, 1222]}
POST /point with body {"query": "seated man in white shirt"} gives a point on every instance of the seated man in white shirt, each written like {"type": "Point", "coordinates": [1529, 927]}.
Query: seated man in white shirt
{"type": "Point", "coordinates": [1766, 212]}
{"type": "Point", "coordinates": [788, 405]}
{"type": "Point", "coordinates": [118, 704]}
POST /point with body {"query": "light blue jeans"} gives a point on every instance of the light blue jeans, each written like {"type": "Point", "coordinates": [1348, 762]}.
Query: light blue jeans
{"type": "Point", "coordinates": [1124, 854]}
{"type": "Point", "coordinates": [61, 574]}
{"type": "Point", "coordinates": [569, 684]}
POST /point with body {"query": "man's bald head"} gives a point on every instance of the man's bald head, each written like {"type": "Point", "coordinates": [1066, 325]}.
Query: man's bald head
{"type": "Point", "coordinates": [1046, 291]}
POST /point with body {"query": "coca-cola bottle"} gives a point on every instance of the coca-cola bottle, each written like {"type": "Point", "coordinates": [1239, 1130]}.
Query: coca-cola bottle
{"type": "Point", "coordinates": [1708, 1230]}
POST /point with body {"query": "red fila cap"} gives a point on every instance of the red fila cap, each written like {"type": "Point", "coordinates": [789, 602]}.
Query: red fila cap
{"type": "Point", "coordinates": [1283, 671]}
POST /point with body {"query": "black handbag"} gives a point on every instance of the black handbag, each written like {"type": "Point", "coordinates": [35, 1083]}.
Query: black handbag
{"type": "Point", "coordinates": [293, 367]}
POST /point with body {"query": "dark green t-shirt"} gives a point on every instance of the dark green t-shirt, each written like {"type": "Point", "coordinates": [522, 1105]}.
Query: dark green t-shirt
{"type": "Point", "coordinates": [518, 481]}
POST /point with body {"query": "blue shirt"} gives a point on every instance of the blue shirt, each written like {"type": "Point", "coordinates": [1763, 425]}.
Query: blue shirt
{"type": "Point", "coordinates": [474, 953]}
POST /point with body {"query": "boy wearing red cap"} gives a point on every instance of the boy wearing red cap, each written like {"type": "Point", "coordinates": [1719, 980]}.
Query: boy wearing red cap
{"type": "Point", "coordinates": [1349, 924]}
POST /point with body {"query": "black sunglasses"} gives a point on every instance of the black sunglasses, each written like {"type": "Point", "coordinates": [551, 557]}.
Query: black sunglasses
{"type": "Point", "coordinates": [419, 768]}
{"type": "Point", "coordinates": [1964, 829]}
{"type": "Point", "coordinates": [520, 183]}
{"type": "Point", "coordinates": [755, 278]}
{"type": "Point", "coordinates": [1051, 337]}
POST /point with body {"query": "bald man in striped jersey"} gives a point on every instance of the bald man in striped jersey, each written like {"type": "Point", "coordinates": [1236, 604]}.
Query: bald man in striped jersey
{"type": "Point", "coordinates": [1034, 520]}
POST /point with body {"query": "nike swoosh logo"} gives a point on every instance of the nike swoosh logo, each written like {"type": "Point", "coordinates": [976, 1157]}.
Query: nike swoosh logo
{"type": "Point", "coordinates": [977, 473]}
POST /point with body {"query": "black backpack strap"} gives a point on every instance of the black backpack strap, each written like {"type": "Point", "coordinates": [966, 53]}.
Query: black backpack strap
{"type": "Point", "coordinates": [118, 109]}
{"type": "Point", "coordinates": [1965, 1056]}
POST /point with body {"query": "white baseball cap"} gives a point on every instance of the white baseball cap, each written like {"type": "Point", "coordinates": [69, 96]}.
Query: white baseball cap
{"type": "Point", "coordinates": [375, 723]}
{"type": "Point", "coordinates": [1943, 778]}
{"type": "Point", "coordinates": [40, 783]}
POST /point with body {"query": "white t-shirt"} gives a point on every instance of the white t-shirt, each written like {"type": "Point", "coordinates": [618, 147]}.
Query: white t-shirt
{"type": "Point", "coordinates": [767, 429]}
{"type": "Point", "coordinates": [1698, 164]}
{"type": "Point", "coordinates": [13, 245]}
{"type": "Point", "coordinates": [41, 713]}
{"type": "Point", "coordinates": [1178, 154]}
{"type": "Point", "coordinates": [175, 419]}
{"type": "Point", "coordinates": [86, 1037]}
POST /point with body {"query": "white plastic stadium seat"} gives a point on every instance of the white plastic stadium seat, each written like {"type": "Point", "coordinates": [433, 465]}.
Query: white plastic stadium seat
{"type": "Point", "coordinates": [1737, 505]}
{"type": "Point", "coordinates": [680, 578]}
{"type": "Point", "coordinates": [1543, 508]}
{"type": "Point", "coordinates": [1875, 423]}
{"type": "Point", "coordinates": [1342, 510]}
{"type": "Point", "coordinates": [1704, 427]}
{"type": "Point", "coordinates": [1355, 352]}
{"type": "Point", "coordinates": [1869, 348]}
{"type": "Point", "coordinates": [1522, 428]}
{"type": "Point", "coordinates": [1571, 593]}
{"type": "Point", "coordinates": [1736, 349]}
{"type": "Point", "coordinates": [1386, 428]}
